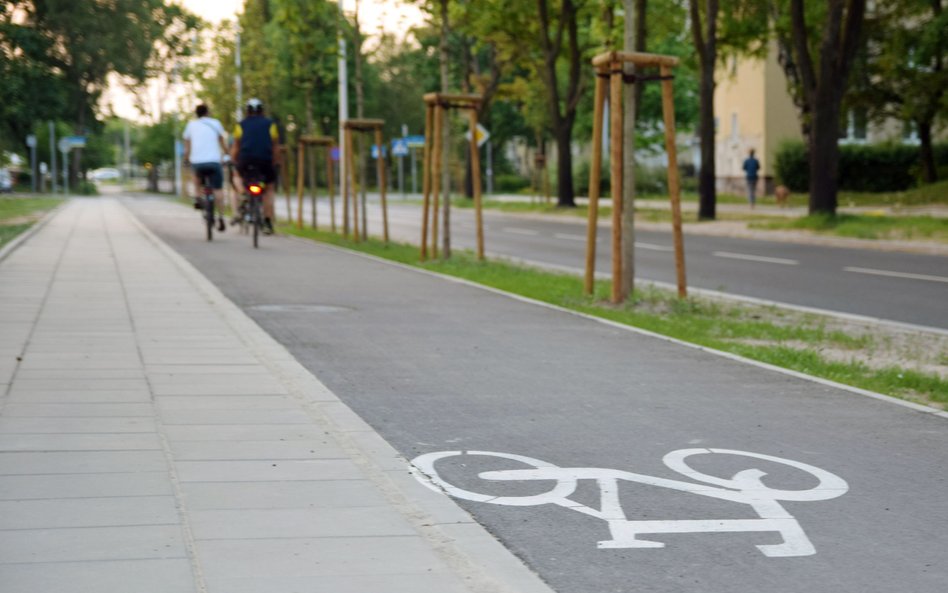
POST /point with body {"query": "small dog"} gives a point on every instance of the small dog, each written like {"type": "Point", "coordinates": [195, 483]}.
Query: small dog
{"type": "Point", "coordinates": [782, 194]}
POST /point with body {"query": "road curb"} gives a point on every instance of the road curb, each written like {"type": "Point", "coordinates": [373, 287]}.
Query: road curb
{"type": "Point", "coordinates": [479, 560]}
{"type": "Point", "coordinates": [728, 355]}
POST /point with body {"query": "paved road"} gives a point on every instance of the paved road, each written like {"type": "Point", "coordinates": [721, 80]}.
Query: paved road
{"type": "Point", "coordinates": [435, 366]}
{"type": "Point", "coordinates": [903, 287]}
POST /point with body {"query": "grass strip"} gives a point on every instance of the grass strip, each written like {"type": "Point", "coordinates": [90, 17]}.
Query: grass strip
{"type": "Point", "coordinates": [772, 335]}
{"type": "Point", "coordinates": [18, 214]}
{"type": "Point", "coordinates": [863, 226]}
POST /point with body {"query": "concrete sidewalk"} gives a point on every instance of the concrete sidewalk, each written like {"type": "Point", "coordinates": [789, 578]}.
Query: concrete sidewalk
{"type": "Point", "coordinates": [154, 439]}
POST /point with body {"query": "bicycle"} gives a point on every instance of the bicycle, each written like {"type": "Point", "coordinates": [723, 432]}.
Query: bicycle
{"type": "Point", "coordinates": [251, 207]}
{"type": "Point", "coordinates": [207, 203]}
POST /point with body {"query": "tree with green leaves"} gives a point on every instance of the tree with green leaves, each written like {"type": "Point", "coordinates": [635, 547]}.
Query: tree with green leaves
{"type": "Point", "coordinates": [825, 39]}
{"type": "Point", "coordinates": [906, 68]}
{"type": "Point", "coordinates": [720, 28]}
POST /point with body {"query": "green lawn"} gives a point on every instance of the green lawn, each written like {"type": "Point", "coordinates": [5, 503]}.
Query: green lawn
{"type": "Point", "coordinates": [18, 214]}
{"type": "Point", "coordinates": [792, 340]}
{"type": "Point", "coordinates": [864, 226]}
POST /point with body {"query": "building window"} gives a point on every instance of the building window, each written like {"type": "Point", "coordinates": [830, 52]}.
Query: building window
{"type": "Point", "coordinates": [854, 128]}
{"type": "Point", "coordinates": [909, 132]}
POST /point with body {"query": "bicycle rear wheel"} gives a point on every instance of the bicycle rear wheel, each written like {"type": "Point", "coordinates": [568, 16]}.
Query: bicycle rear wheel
{"type": "Point", "coordinates": [209, 215]}
{"type": "Point", "coordinates": [255, 216]}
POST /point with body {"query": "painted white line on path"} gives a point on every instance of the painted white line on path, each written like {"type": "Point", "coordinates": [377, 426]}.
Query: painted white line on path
{"type": "Point", "coordinates": [908, 275]}
{"type": "Point", "coordinates": [518, 231]}
{"type": "Point", "coordinates": [652, 246]}
{"type": "Point", "coordinates": [757, 258]}
{"type": "Point", "coordinates": [569, 237]}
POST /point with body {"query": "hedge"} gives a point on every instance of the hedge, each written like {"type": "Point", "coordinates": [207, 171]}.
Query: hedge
{"type": "Point", "coordinates": [864, 167]}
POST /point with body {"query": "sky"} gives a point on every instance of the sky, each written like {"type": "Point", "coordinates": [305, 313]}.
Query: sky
{"type": "Point", "coordinates": [390, 15]}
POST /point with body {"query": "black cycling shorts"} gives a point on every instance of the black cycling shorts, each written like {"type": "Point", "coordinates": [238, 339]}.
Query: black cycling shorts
{"type": "Point", "coordinates": [212, 171]}
{"type": "Point", "coordinates": [257, 168]}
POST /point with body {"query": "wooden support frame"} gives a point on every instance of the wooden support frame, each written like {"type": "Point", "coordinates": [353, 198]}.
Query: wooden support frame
{"type": "Point", "coordinates": [374, 127]}
{"type": "Point", "coordinates": [314, 142]}
{"type": "Point", "coordinates": [436, 106]}
{"type": "Point", "coordinates": [609, 71]}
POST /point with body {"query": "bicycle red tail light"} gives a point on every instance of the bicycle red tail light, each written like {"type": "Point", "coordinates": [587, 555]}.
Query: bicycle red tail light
{"type": "Point", "coordinates": [255, 189]}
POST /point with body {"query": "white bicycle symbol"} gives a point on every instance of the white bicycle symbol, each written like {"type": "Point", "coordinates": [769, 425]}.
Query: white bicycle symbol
{"type": "Point", "coordinates": [744, 487]}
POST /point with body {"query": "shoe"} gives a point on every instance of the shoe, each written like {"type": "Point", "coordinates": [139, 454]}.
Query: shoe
{"type": "Point", "coordinates": [267, 227]}
{"type": "Point", "coordinates": [199, 203]}
{"type": "Point", "coordinates": [221, 227]}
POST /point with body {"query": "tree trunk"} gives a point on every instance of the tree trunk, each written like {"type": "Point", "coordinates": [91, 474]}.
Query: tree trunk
{"type": "Point", "coordinates": [926, 152]}
{"type": "Point", "coordinates": [564, 166]}
{"type": "Point", "coordinates": [360, 113]}
{"type": "Point", "coordinates": [824, 156]}
{"type": "Point", "coordinates": [707, 182]}
{"type": "Point", "coordinates": [632, 30]}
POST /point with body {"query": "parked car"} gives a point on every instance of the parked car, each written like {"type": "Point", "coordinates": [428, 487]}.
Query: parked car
{"type": "Point", "coordinates": [105, 174]}
{"type": "Point", "coordinates": [6, 181]}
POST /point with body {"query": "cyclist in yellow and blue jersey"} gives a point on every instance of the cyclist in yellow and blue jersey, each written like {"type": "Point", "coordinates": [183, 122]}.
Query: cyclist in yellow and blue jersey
{"type": "Point", "coordinates": [257, 146]}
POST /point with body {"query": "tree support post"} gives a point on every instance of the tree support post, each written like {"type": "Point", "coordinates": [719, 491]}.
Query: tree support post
{"type": "Point", "coordinates": [305, 144]}
{"type": "Point", "coordinates": [437, 105]}
{"type": "Point", "coordinates": [610, 65]}
{"type": "Point", "coordinates": [366, 126]}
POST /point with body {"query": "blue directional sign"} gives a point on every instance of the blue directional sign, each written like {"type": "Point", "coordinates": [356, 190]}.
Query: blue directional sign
{"type": "Point", "coordinates": [414, 141]}
{"type": "Point", "coordinates": [399, 147]}
{"type": "Point", "coordinates": [375, 151]}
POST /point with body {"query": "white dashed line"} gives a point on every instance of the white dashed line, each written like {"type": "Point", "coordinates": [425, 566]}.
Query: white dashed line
{"type": "Point", "coordinates": [570, 237]}
{"type": "Point", "coordinates": [652, 246]}
{"type": "Point", "coordinates": [758, 258]}
{"type": "Point", "coordinates": [896, 274]}
{"type": "Point", "coordinates": [516, 231]}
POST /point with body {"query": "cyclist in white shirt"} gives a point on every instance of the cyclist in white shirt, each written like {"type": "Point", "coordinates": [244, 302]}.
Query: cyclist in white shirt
{"type": "Point", "coordinates": [204, 145]}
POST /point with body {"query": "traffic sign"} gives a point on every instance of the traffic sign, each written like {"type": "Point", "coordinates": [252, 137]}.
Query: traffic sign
{"type": "Point", "coordinates": [482, 135]}
{"type": "Point", "coordinates": [64, 145]}
{"type": "Point", "coordinates": [31, 140]}
{"type": "Point", "coordinates": [399, 147]}
{"type": "Point", "coordinates": [414, 141]}
{"type": "Point", "coordinates": [76, 141]}
{"type": "Point", "coordinates": [375, 151]}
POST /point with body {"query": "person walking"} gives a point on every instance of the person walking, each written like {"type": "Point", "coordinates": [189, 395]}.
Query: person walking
{"type": "Point", "coordinates": [751, 168]}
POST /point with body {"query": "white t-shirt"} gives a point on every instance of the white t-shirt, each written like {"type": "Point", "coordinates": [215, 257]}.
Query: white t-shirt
{"type": "Point", "coordinates": [203, 133]}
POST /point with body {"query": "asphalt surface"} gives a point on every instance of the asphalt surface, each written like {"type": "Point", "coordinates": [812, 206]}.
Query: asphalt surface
{"type": "Point", "coordinates": [903, 287]}
{"type": "Point", "coordinates": [435, 365]}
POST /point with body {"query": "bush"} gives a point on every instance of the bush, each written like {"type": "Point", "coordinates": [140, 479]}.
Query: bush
{"type": "Point", "coordinates": [862, 168]}
{"type": "Point", "coordinates": [86, 188]}
{"type": "Point", "coordinates": [510, 183]}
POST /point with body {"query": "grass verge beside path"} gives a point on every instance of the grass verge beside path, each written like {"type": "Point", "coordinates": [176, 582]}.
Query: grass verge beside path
{"type": "Point", "coordinates": [901, 364]}
{"type": "Point", "coordinates": [864, 226]}
{"type": "Point", "coordinates": [18, 214]}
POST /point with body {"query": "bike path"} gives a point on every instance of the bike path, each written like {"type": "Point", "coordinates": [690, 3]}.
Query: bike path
{"type": "Point", "coordinates": [438, 366]}
{"type": "Point", "coordinates": [153, 439]}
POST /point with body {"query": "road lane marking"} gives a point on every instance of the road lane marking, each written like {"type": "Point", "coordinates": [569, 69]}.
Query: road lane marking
{"type": "Point", "coordinates": [745, 487]}
{"type": "Point", "coordinates": [652, 246]}
{"type": "Point", "coordinates": [570, 237]}
{"type": "Point", "coordinates": [757, 258]}
{"type": "Point", "coordinates": [517, 231]}
{"type": "Point", "coordinates": [908, 275]}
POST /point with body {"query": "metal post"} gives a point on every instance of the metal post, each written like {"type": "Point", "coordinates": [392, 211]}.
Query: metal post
{"type": "Point", "coordinates": [414, 172]}
{"type": "Point", "coordinates": [65, 172]}
{"type": "Point", "coordinates": [52, 154]}
{"type": "Point", "coordinates": [31, 141]}
{"type": "Point", "coordinates": [238, 80]}
{"type": "Point", "coordinates": [490, 168]}
{"type": "Point", "coordinates": [343, 116]}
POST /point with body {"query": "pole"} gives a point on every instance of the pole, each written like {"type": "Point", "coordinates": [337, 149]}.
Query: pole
{"type": "Point", "coordinates": [599, 104]}
{"type": "Point", "coordinates": [65, 172]}
{"type": "Point", "coordinates": [401, 164]}
{"type": "Point", "coordinates": [414, 171]}
{"type": "Point", "coordinates": [668, 111]}
{"type": "Point", "coordinates": [615, 115]}
{"type": "Point", "coordinates": [343, 116]}
{"type": "Point", "coordinates": [382, 182]}
{"type": "Point", "coordinates": [426, 179]}
{"type": "Point", "coordinates": [52, 154]}
{"type": "Point", "coordinates": [329, 184]}
{"type": "Point", "coordinates": [436, 175]}
{"type": "Point", "coordinates": [476, 179]}
{"type": "Point", "coordinates": [490, 168]}
{"type": "Point", "coordinates": [238, 80]}
{"type": "Point", "coordinates": [34, 167]}
{"type": "Point", "coordinates": [300, 152]}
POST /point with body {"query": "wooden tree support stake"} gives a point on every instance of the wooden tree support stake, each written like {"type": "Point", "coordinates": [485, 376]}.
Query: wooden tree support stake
{"type": "Point", "coordinates": [436, 106]}
{"type": "Point", "coordinates": [310, 143]}
{"type": "Point", "coordinates": [610, 66]}
{"type": "Point", "coordinates": [367, 126]}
